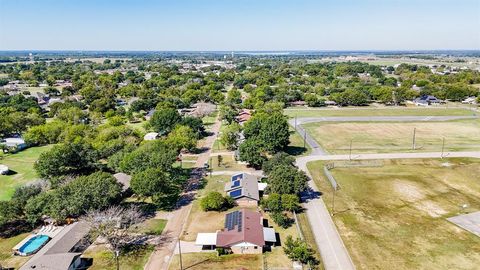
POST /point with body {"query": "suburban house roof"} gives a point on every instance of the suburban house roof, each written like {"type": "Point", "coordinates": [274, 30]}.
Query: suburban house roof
{"type": "Point", "coordinates": [242, 226]}
{"type": "Point", "coordinates": [243, 185]}
{"type": "Point", "coordinates": [427, 99]}
{"type": "Point", "coordinates": [56, 255]}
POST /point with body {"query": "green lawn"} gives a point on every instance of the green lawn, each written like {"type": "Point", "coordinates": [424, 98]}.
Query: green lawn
{"type": "Point", "coordinates": [394, 216]}
{"type": "Point", "coordinates": [377, 137]}
{"type": "Point", "coordinates": [104, 260]}
{"type": "Point", "coordinates": [371, 111]}
{"type": "Point", "coordinates": [228, 164]}
{"type": "Point", "coordinates": [21, 164]}
{"type": "Point", "coordinates": [153, 226]}
{"type": "Point", "coordinates": [6, 246]}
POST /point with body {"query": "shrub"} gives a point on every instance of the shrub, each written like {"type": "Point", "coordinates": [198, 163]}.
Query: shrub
{"type": "Point", "coordinates": [214, 201]}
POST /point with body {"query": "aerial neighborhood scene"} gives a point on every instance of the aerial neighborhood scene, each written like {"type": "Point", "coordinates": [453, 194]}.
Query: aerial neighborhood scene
{"type": "Point", "coordinates": [266, 135]}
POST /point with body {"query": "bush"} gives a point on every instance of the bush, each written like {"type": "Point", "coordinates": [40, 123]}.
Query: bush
{"type": "Point", "coordinates": [298, 250]}
{"type": "Point", "coordinates": [214, 201]}
{"type": "Point", "coordinates": [281, 219]}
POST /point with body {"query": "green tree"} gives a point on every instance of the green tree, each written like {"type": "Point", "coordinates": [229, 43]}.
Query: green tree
{"type": "Point", "coordinates": [182, 137]}
{"type": "Point", "coordinates": [153, 154]}
{"type": "Point", "coordinates": [164, 188]}
{"type": "Point", "coordinates": [271, 129]}
{"type": "Point", "coordinates": [287, 180]}
{"type": "Point", "coordinates": [65, 159]}
{"type": "Point", "coordinates": [278, 159]}
{"type": "Point", "coordinates": [298, 250]}
{"type": "Point", "coordinates": [290, 202]}
{"type": "Point", "coordinates": [164, 120]}
{"type": "Point", "coordinates": [214, 201]}
{"type": "Point", "coordinates": [273, 203]}
{"type": "Point", "coordinates": [251, 151]}
{"type": "Point", "coordinates": [230, 136]}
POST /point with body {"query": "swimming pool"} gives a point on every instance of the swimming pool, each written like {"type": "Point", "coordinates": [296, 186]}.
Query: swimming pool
{"type": "Point", "coordinates": [33, 244]}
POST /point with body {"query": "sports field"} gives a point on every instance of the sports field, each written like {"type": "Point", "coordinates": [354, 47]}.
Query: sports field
{"type": "Point", "coordinates": [372, 111]}
{"type": "Point", "coordinates": [394, 216]}
{"type": "Point", "coordinates": [378, 137]}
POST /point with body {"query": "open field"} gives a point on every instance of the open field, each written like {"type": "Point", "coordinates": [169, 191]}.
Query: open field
{"type": "Point", "coordinates": [377, 137]}
{"type": "Point", "coordinates": [21, 164]}
{"type": "Point", "coordinates": [6, 246]}
{"type": "Point", "coordinates": [394, 216]}
{"type": "Point", "coordinates": [103, 258]}
{"type": "Point", "coordinates": [372, 111]}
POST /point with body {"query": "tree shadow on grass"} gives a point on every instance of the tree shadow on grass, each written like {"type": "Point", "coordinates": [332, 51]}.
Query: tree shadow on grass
{"type": "Point", "coordinates": [295, 150]}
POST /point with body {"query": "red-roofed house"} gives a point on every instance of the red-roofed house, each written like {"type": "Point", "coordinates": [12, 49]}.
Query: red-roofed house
{"type": "Point", "coordinates": [243, 233]}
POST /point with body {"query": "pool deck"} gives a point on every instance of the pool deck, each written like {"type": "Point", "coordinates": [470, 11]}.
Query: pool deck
{"type": "Point", "coordinates": [50, 233]}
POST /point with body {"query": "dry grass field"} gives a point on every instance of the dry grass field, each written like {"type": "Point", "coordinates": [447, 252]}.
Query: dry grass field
{"type": "Point", "coordinates": [394, 217]}
{"type": "Point", "coordinates": [377, 137]}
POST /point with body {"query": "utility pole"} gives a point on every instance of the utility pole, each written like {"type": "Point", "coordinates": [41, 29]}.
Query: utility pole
{"type": "Point", "coordinates": [443, 146]}
{"type": "Point", "coordinates": [180, 254]}
{"type": "Point", "coordinates": [413, 141]}
{"type": "Point", "coordinates": [350, 156]}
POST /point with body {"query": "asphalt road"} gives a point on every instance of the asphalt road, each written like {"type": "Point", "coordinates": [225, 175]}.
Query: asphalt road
{"type": "Point", "coordinates": [332, 249]}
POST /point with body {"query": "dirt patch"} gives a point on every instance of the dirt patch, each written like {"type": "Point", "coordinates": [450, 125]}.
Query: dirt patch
{"type": "Point", "coordinates": [431, 208]}
{"type": "Point", "coordinates": [408, 191]}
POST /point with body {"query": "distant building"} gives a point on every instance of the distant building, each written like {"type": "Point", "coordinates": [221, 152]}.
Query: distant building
{"type": "Point", "coordinates": [298, 103]}
{"type": "Point", "coordinates": [470, 100]}
{"type": "Point", "coordinates": [243, 233]}
{"type": "Point", "coordinates": [150, 136]}
{"type": "Point", "coordinates": [14, 144]}
{"type": "Point", "coordinates": [427, 100]}
{"type": "Point", "coordinates": [244, 116]}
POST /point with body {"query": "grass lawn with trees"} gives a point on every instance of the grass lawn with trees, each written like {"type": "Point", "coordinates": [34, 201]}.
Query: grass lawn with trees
{"type": "Point", "coordinates": [394, 216]}
{"type": "Point", "coordinates": [375, 137]}
{"type": "Point", "coordinates": [21, 164]}
{"type": "Point", "coordinates": [371, 111]}
{"type": "Point", "coordinates": [104, 260]}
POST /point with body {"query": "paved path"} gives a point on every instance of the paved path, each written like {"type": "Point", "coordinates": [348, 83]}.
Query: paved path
{"type": "Point", "coordinates": [332, 249]}
{"type": "Point", "coordinates": [161, 257]}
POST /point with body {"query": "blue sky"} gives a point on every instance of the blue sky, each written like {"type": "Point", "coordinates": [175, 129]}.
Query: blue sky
{"type": "Point", "coordinates": [239, 24]}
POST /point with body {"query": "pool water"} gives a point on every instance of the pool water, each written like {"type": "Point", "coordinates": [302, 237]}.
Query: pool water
{"type": "Point", "coordinates": [33, 244]}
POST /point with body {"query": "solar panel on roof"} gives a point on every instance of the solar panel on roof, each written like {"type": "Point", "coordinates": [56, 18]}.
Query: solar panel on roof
{"type": "Point", "coordinates": [237, 177]}
{"type": "Point", "coordinates": [236, 193]}
{"type": "Point", "coordinates": [236, 184]}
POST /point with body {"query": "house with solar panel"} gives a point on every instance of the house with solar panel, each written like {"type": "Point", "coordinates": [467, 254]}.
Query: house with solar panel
{"type": "Point", "coordinates": [245, 189]}
{"type": "Point", "coordinates": [244, 233]}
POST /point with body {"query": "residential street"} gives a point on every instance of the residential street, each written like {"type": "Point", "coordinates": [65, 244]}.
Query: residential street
{"type": "Point", "coordinates": [160, 258]}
